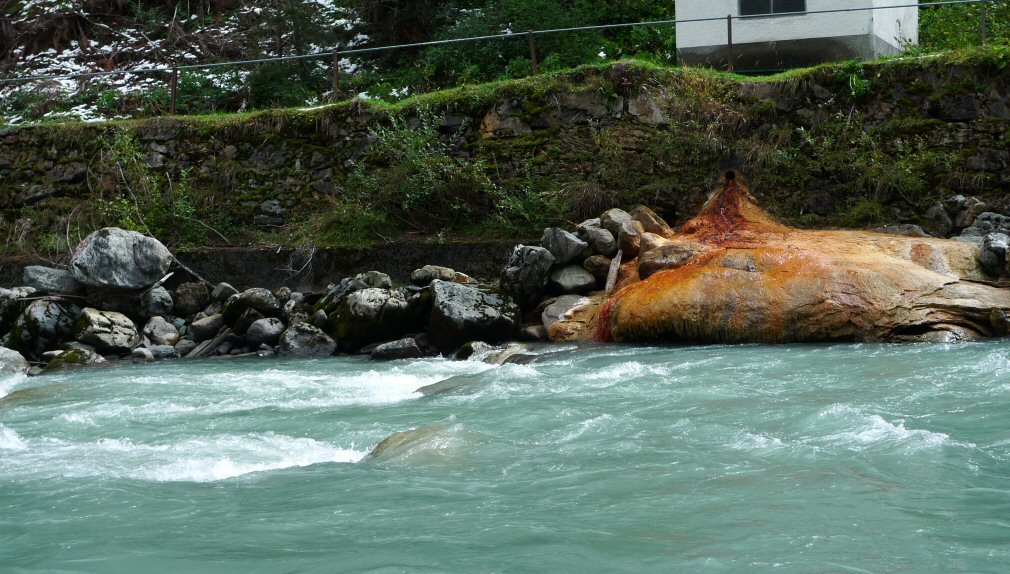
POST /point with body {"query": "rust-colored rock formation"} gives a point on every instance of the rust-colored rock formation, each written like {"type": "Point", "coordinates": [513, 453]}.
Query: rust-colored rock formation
{"type": "Point", "coordinates": [735, 275]}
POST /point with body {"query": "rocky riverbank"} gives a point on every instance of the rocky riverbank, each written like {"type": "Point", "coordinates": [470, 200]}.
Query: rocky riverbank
{"type": "Point", "coordinates": [731, 274]}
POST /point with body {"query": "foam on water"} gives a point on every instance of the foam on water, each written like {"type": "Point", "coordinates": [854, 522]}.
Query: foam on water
{"type": "Point", "coordinates": [7, 383]}
{"type": "Point", "coordinates": [9, 440]}
{"type": "Point", "coordinates": [857, 430]}
{"type": "Point", "coordinates": [197, 459]}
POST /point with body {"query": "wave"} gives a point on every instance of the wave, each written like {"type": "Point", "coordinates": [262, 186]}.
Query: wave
{"type": "Point", "coordinates": [199, 459]}
{"type": "Point", "coordinates": [859, 430]}
{"type": "Point", "coordinates": [10, 440]}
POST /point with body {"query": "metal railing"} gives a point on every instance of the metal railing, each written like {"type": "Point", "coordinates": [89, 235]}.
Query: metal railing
{"type": "Point", "coordinates": [172, 72]}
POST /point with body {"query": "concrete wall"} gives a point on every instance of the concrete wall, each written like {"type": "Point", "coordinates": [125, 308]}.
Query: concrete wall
{"type": "Point", "coordinates": [895, 26]}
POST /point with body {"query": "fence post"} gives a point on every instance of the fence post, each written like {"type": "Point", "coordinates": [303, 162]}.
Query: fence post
{"type": "Point", "coordinates": [533, 52]}
{"type": "Point", "coordinates": [175, 88]}
{"type": "Point", "coordinates": [985, 21]}
{"type": "Point", "coordinates": [729, 41]}
{"type": "Point", "coordinates": [336, 76]}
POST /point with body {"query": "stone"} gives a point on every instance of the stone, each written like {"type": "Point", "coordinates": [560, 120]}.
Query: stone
{"type": "Point", "coordinates": [42, 326]}
{"type": "Point", "coordinates": [73, 358]}
{"type": "Point", "coordinates": [157, 301]}
{"type": "Point", "coordinates": [972, 209]}
{"type": "Point", "coordinates": [245, 320]}
{"type": "Point", "coordinates": [462, 313]}
{"type": "Point", "coordinates": [760, 281]}
{"type": "Point", "coordinates": [107, 331]}
{"type": "Point", "coordinates": [190, 298]}
{"type": "Point", "coordinates": [142, 355]}
{"type": "Point", "coordinates": [600, 240]}
{"type": "Point", "coordinates": [272, 207]}
{"type": "Point", "coordinates": [938, 214]}
{"type": "Point", "coordinates": [651, 222]}
{"type": "Point", "coordinates": [987, 223]}
{"type": "Point", "coordinates": [160, 332]}
{"type": "Point", "coordinates": [206, 328]}
{"type": "Point", "coordinates": [526, 273]}
{"type": "Point", "coordinates": [560, 309]}
{"type": "Point", "coordinates": [264, 332]}
{"type": "Point", "coordinates": [261, 300]}
{"type": "Point", "coordinates": [283, 295]}
{"type": "Point", "coordinates": [161, 352]}
{"type": "Point", "coordinates": [424, 276]}
{"type": "Point", "coordinates": [113, 258]}
{"type": "Point", "coordinates": [564, 246]}
{"type": "Point", "coordinates": [471, 349]}
{"type": "Point", "coordinates": [12, 303]}
{"type": "Point", "coordinates": [534, 333]}
{"type": "Point", "coordinates": [222, 292]}
{"type": "Point", "coordinates": [669, 256]}
{"type": "Point", "coordinates": [304, 340]}
{"type": "Point", "coordinates": [406, 348]}
{"type": "Point", "coordinates": [993, 254]}
{"type": "Point", "coordinates": [373, 315]}
{"type": "Point", "coordinates": [571, 279]}
{"type": "Point", "coordinates": [612, 220]}
{"type": "Point", "coordinates": [12, 362]}
{"type": "Point", "coordinates": [906, 229]}
{"type": "Point", "coordinates": [335, 294]}
{"type": "Point", "coordinates": [650, 241]}
{"type": "Point", "coordinates": [185, 346]}
{"type": "Point", "coordinates": [598, 266]}
{"type": "Point", "coordinates": [629, 240]}
{"type": "Point", "coordinates": [48, 280]}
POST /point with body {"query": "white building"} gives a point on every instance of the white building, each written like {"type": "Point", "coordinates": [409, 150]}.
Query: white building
{"type": "Point", "coordinates": [776, 34]}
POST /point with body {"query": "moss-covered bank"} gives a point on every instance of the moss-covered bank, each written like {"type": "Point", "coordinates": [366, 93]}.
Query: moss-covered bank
{"type": "Point", "coordinates": [847, 145]}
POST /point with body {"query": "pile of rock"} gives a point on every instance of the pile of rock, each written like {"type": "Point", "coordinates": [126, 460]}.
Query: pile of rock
{"type": "Point", "coordinates": [112, 304]}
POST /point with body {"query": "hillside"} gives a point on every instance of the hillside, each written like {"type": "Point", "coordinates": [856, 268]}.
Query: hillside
{"type": "Point", "coordinates": [55, 37]}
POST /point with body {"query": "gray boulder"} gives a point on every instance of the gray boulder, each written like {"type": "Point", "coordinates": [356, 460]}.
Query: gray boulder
{"type": "Point", "coordinates": [161, 332]}
{"type": "Point", "coordinates": [157, 301]}
{"type": "Point", "coordinates": [222, 291]}
{"type": "Point", "coordinates": [559, 308]}
{"type": "Point", "coordinates": [42, 326]}
{"type": "Point", "coordinates": [403, 349]}
{"type": "Point", "coordinates": [629, 240]}
{"type": "Point", "coordinates": [264, 332]}
{"type": "Point", "coordinates": [571, 279]}
{"type": "Point", "coordinates": [525, 275]}
{"type": "Point", "coordinates": [160, 352]}
{"type": "Point", "coordinates": [987, 223]}
{"type": "Point", "coordinates": [190, 299]}
{"type": "Point", "coordinates": [598, 266]}
{"type": "Point", "coordinates": [12, 362]}
{"type": "Point", "coordinates": [374, 315]}
{"type": "Point", "coordinates": [113, 258]}
{"type": "Point", "coordinates": [600, 240]}
{"type": "Point", "coordinates": [142, 355]}
{"type": "Point", "coordinates": [245, 320]}
{"type": "Point", "coordinates": [462, 313]}
{"type": "Point", "coordinates": [185, 346]}
{"type": "Point", "coordinates": [612, 220]}
{"type": "Point", "coordinates": [48, 280]}
{"type": "Point", "coordinates": [304, 340]}
{"type": "Point", "coordinates": [107, 331]}
{"type": "Point", "coordinates": [424, 276]}
{"type": "Point", "coordinates": [651, 222]}
{"type": "Point", "coordinates": [206, 328]}
{"type": "Point", "coordinates": [335, 294]}
{"type": "Point", "coordinates": [12, 303]}
{"type": "Point", "coordinates": [564, 246]}
{"type": "Point", "coordinates": [993, 253]}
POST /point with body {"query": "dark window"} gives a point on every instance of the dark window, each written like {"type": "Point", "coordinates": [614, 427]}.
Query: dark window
{"type": "Point", "coordinates": [758, 7]}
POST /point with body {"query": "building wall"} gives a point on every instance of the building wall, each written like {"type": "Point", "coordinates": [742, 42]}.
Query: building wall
{"type": "Point", "coordinates": [896, 26]}
{"type": "Point", "coordinates": [765, 29]}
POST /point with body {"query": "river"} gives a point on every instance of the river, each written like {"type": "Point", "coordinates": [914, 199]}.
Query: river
{"type": "Point", "coordinates": [814, 458]}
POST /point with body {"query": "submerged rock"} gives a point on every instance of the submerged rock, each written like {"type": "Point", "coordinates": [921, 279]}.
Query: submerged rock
{"type": "Point", "coordinates": [113, 258]}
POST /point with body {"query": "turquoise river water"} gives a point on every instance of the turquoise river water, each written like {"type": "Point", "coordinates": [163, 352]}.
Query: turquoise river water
{"type": "Point", "coordinates": [840, 458]}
